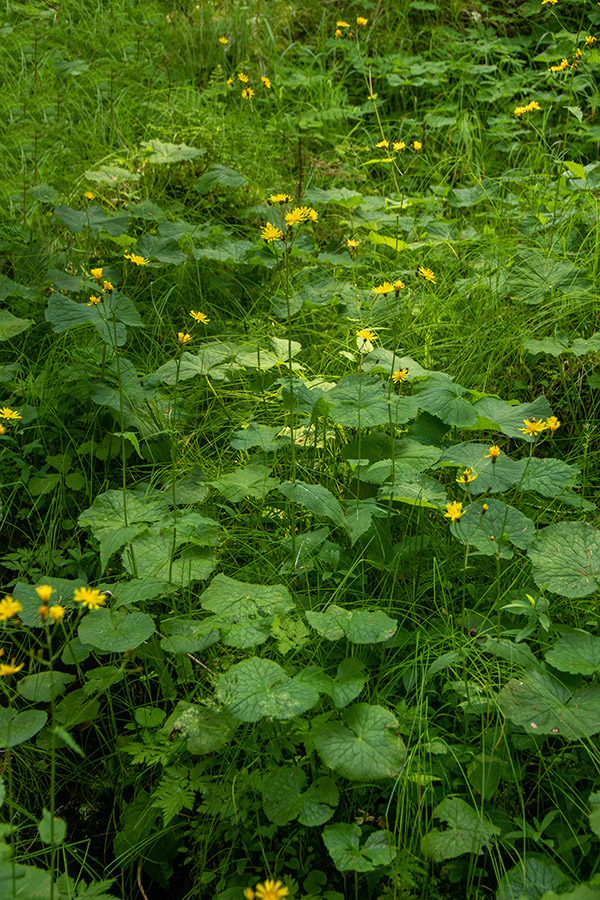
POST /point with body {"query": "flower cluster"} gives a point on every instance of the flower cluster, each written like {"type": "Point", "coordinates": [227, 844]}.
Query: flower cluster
{"type": "Point", "coordinates": [521, 110]}
{"type": "Point", "coordinates": [297, 216]}
{"type": "Point", "coordinates": [534, 427]}
{"type": "Point", "coordinates": [399, 146]}
{"type": "Point", "coordinates": [55, 612]}
{"type": "Point", "coordinates": [247, 91]}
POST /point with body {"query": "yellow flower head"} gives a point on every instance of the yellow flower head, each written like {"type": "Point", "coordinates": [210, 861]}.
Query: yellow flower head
{"type": "Point", "coordinates": [266, 81]}
{"type": "Point", "coordinates": [484, 508]}
{"type": "Point", "coordinates": [243, 77]}
{"type": "Point", "coordinates": [417, 145]}
{"type": "Point", "coordinates": [342, 24]}
{"type": "Point", "coordinates": [533, 104]}
{"type": "Point", "coordinates": [301, 214]}
{"type": "Point", "coordinates": [352, 244]}
{"type": "Point", "coordinates": [399, 375]}
{"type": "Point", "coordinates": [467, 476]}
{"type": "Point", "coordinates": [2, 429]}
{"type": "Point", "coordinates": [138, 260]}
{"type": "Point", "coordinates": [384, 144]}
{"type": "Point", "coordinates": [271, 890]}
{"type": "Point", "coordinates": [427, 274]}
{"type": "Point", "coordinates": [360, 20]}
{"type": "Point", "coordinates": [89, 196]}
{"type": "Point", "coordinates": [338, 33]}
{"type": "Point", "coordinates": [270, 232]}
{"type": "Point", "coordinates": [552, 2]}
{"type": "Point", "coordinates": [96, 273]}
{"type": "Point", "coordinates": [590, 41]}
{"type": "Point", "coordinates": [9, 608]}
{"type": "Point", "coordinates": [44, 592]}
{"type": "Point", "coordinates": [199, 317]}
{"type": "Point", "coordinates": [533, 427]}
{"type": "Point", "coordinates": [43, 612]}
{"type": "Point", "coordinates": [230, 82]}
{"type": "Point", "coordinates": [385, 288]}
{"type": "Point", "coordinates": [494, 453]}
{"type": "Point", "coordinates": [249, 894]}
{"type": "Point", "coordinates": [223, 40]}
{"type": "Point", "coordinates": [107, 287]}
{"type": "Point", "coordinates": [247, 93]}
{"type": "Point", "coordinates": [552, 424]}
{"type": "Point", "coordinates": [454, 511]}
{"type": "Point", "coordinates": [366, 335]}
{"type": "Point", "coordinates": [56, 614]}
{"type": "Point", "coordinates": [398, 285]}
{"type": "Point", "coordinates": [89, 597]}
{"type": "Point", "coordinates": [564, 64]}
{"type": "Point", "coordinates": [9, 414]}
{"type": "Point", "coordinates": [183, 337]}
{"type": "Point", "coordinates": [94, 300]}
{"type": "Point", "coordinates": [399, 146]}
{"type": "Point", "coordinates": [280, 198]}
{"type": "Point", "coordinates": [9, 668]}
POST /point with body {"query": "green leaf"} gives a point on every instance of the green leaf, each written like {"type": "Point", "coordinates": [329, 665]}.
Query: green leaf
{"type": "Point", "coordinates": [258, 688]}
{"type": "Point", "coordinates": [150, 554]}
{"type": "Point", "coordinates": [162, 153]}
{"type": "Point", "coordinates": [100, 679]}
{"type": "Point", "coordinates": [76, 709]}
{"type": "Point", "coordinates": [541, 704]}
{"type": "Point", "coordinates": [11, 326]}
{"type": "Point", "coordinates": [284, 801]}
{"type": "Point", "coordinates": [47, 834]}
{"type": "Point", "coordinates": [233, 600]}
{"type": "Point", "coordinates": [343, 843]}
{"type": "Point", "coordinates": [359, 626]}
{"type": "Point", "coordinates": [189, 635]}
{"type": "Point", "coordinates": [415, 489]}
{"type": "Point", "coordinates": [217, 174]}
{"type": "Point", "coordinates": [251, 480]}
{"type": "Point", "coordinates": [366, 746]}
{"type": "Point", "coordinates": [577, 112]}
{"type": "Point", "coordinates": [491, 531]}
{"type": "Point", "coordinates": [534, 276]}
{"type": "Point", "coordinates": [552, 346]}
{"type": "Point", "coordinates": [45, 193]}
{"type": "Point", "coordinates": [442, 397]}
{"type": "Point", "coordinates": [549, 477]}
{"type": "Point", "coordinates": [491, 477]}
{"type": "Point", "coordinates": [576, 168]}
{"type": "Point", "coordinates": [261, 436]}
{"type": "Point", "coordinates": [566, 559]}
{"type": "Point", "coordinates": [24, 882]}
{"type": "Point", "coordinates": [41, 688]}
{"type": "Point", "coordinates": [360, 402]}
{"type": "Point", "coordinates": [532, 878]}
{"type": "Point", "coordinates": [315, 498]}
{"type": "Point", "coordinates": [105, 518]}
{"type": "Point", "coordinates": [205, 730]}
{"type": "Point", "coordinates": [497, 415]}
{"type": "Point", "coordinates": [15, 728]}
{"type": "Point", "coordinates": [349, 681]}
{"type": "Point", "coordinates": [389, 362]}
{"type": "Point", "coordinates": [468, 831]}
{"type": "Point", "coordinates": [578, 652]}
{"type": "Point", "coordinates": [115, 631]}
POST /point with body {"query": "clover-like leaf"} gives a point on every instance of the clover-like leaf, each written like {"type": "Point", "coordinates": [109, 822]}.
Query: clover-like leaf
{"type": "Point", "coordinates": [257, 688]}
{"type": "Point", "coordinates": [364, 745]}
{"type": "Point", "coordinates": [566, 559]}
{"type": "Point", "coordinates": [468, 831]}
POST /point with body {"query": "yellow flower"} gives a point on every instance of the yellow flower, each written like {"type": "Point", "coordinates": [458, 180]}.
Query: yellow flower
{"type": "Point", "coordinates": [44, 592]}
{"type": "Point", "coordinates": [533, 104]}
{"type": "Point", "coordinates": [96, 273]}
{"type": "Point", "coordinates": [9, 608]}
{"type": "Point", "coordinates": [43, 612]}
{"type": "Point", "coordinates": [266, 81]}
{"type": "Point", "coordinates": [553, 2]}
{"type": "Point", "coordinates": [183, 337]}
{"type": "Point", "coordinates": [552, 424]}
{"type": "Point", "coordinates": [223, 40]}
{"type": "Point", "coordinates": [9, 668]}
{"type": "Point", "coordinates": [360, 20]}
{"type": "Point", "coordinates": [199, 317]}
{"type": "Point", "coordinates": [338, 33]}
{"type": "Point", "coordinates": [94, 300]}
{"type": "Point", "coordinates": [564, 64]}
{"type": "Point", "coordinates": [301, 214]}
{"type": "Point", "coordinates": [2, 429]}
{"type": "Point", "coordinates": [467, 476]}
{"type": "Point", "coordinates": [417, 145]}
{"type": "Point", "coordinates": [138, 260]}
{"type": "Point", "coordinates": [230, 82]}
{"type": "Point", "coordinates": [398, 285]}
{"type": "Point", "coordinates": [271, 890]}
{"type": "Point", "coordinates": [247, 93]}
{"type": "Point", "coordinates": [590, 41]}
{"type": "Point", "coordinates": [56, 614]}
{"type": "Point", "coordinates": [280, 198]}
{"type": "Point", "coordinates": [107, 287]}
{"type": "Point", "coordinates": [454, 511]}
{"type": "Point", "coordinates": [243, 77]}
{"type": "Point", "coordinates": [271, 233]}
{"type": "Point", "coordinates": [399, 146]}
{"type": "Point", "coordinates": [385, 144]}
{"type": "Point", "coordinates": [484, 508]}
{"type": "Point", "coordinates": [249, 894]}
{"type": "Point", "coordinates": [6, 413]}
{"type": "Point", "coordinates": [89, 196]}
{"type": "Point", "coordinates": [493, 454]}
{"type": "Point", "coordinates": [427, 274]}
{"type": "Point", "coordinates": [366, 335]}
{"type": "Point", "coordinates": [342, 24]}
{"type": "Point", "coordinates": [533, 427]}
{"type": "Point", "coordinates": [372, 97]}
{"type": "Point", "coordinates": [352, 244]}
{"type": "Point", "coordinates": [89, 597]}
{"type": "Point", "coordinates": [385, 288]}
{"type": "Point", "coordinates": [399, 375]}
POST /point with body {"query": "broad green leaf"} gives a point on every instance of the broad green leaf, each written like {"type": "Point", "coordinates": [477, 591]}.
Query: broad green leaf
{"type": "Point", "coordinates": [412, 456]}
{"type": "Point", "coordinates": [11, 326]}
{"type": "Point", "coordinates": [442, 397]}
{"type": "Point", "coordinates": [24, 882]}
{"type": "Point", "coordinates": [149, 716]}
{"type": "Point", "coordinates": [389, 362]}
{"type": "Point", "coordinates": [395, 243]}
{"type": "Point", "coordinates": [365, 402]}
{"type": "Point", "coordinates": [112, 175]}
{"type": "Point", "coordinates": [534, 276]}
{"type": "Point", "coordinates": [349, 681]}
{"type": "Point", "coordinates": [262, 436]}
{"type": "Point", "coordinates": [315, 498]}
{"type": "Point", "coordinates": [491, 477]}
{"type": "Point", "coordinates": [217, 174]}
{"type": "Point", "coordinates": [15, 728]}
{"type": "Point", "coordinates": [578, 652]}
{"type": "Point", "coordinates": [161, 153]}
{"type": "Point", "coordinates": [150, 554]}
{"type": "Point", "coordinates": [566, 559]}
{"type": "Point", "coordinates": [575, 168]}
{"type": "Point", "coordinates": [189, 635]}
{"type": "Point", "coordinates": [251, 480]}
{"type": "Point", "coordinates": [233, 600]}
{"type": "Point", "coordinates": [497, 415]}
{"type": "Point", "coordinates": [541, 704]}
{"type": "Point", "coordinates": [341, 196]}
{"type": "Point", "coordinates": [216, 361]}
{"type": "Point", "coordinates": [549, 477]}
{"type": "Point", "coordinates": [45, 193]}
{"type": "Point", "coordinates": [49, 834]}
{"type": "Point", "coordinates": [258, 688]}
{"type": "Point", "coordinates": [115, 631]}
{"type": "Point", "coordinates": [245, 634]}
{"type": "Point", "coordinates": [343, 843]}
{"type": "Point", "coordinates": [359, 626]}
{"type": "Point", "coordinates": [365, 745]}
{"type": "Point", "coordinates": [100, 679]}
{"type": "Point", "coordinates": [359, 515]}
{"type": "Point", "coordinates": [531, 878]}
{"type": "Point", "coordinates": [76, 709]}
{"type": "Point", "coordinates": [581, 346]}
{"type": "Point", "coordinates": [44, 686]}
{"type": "Point", "coordinates": [205, 730]}
{"type": "Point", "coordinates": [284, 800]}
{"type": "Point", "coordinates": [491, 531]}
{"type": "Point", "coordinates": [468, 831]}
{"type": "Point", "coordinates": [138, 590]}
{"type": "Point", "coordinates": [415, 489]}
{"type": "Point", "coordinates": [105, 518]}
{"type": "Point", "coordinates": [551, 346]}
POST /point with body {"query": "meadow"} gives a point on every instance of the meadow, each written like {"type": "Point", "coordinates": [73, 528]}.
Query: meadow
{"type": "Point", "coordinates": [299, 419]}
